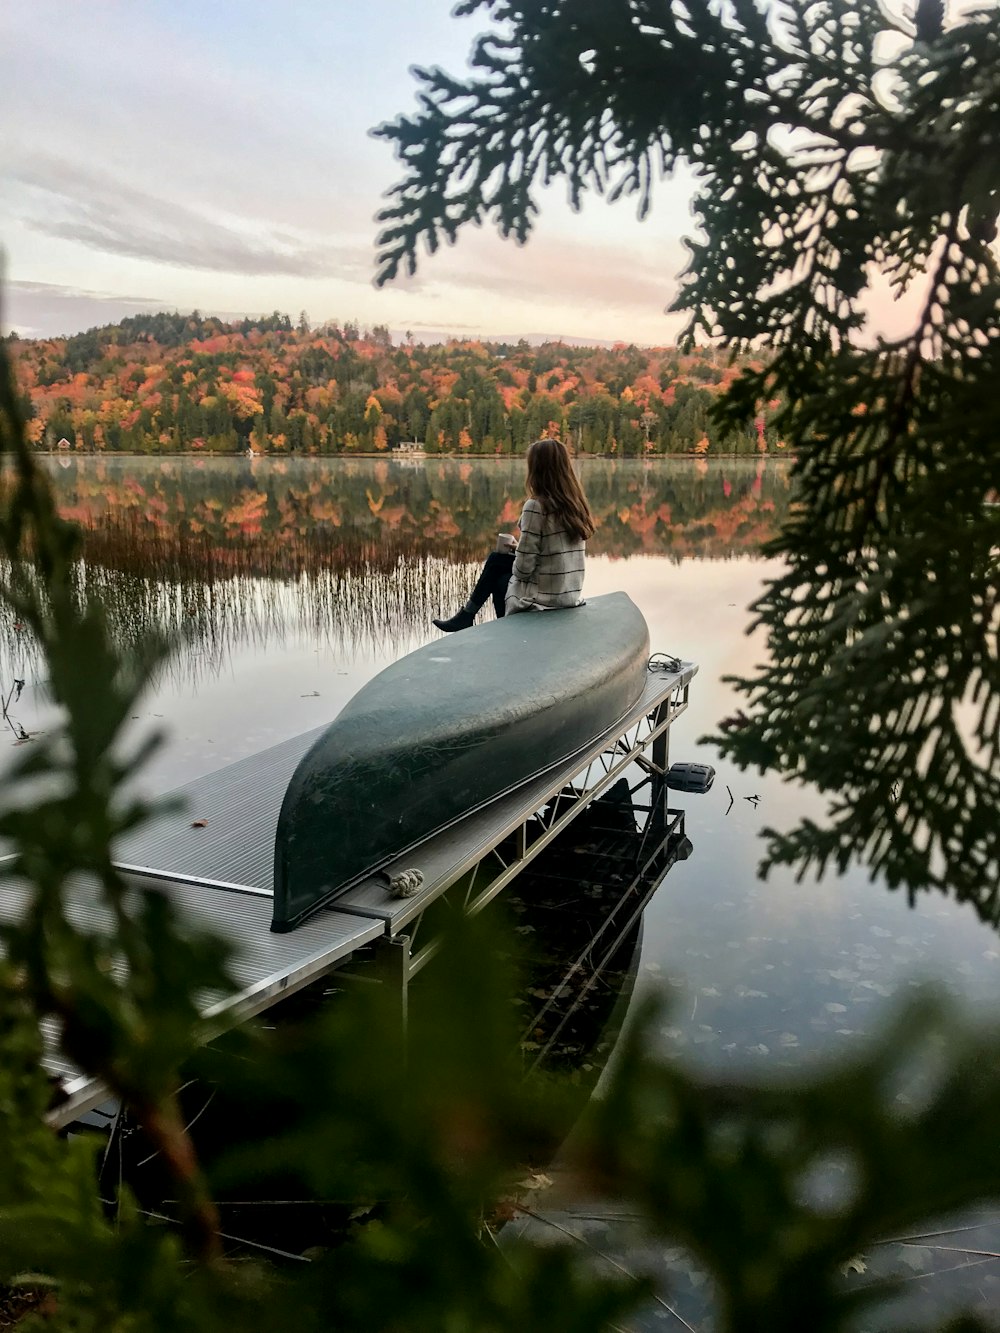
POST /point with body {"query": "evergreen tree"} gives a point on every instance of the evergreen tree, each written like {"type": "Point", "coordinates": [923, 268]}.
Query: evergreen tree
{"type": "Point", "coordinates": [824, 165]}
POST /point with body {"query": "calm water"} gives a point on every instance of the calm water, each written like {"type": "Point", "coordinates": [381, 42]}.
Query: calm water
{"type": "Point", "coordinates": [293, 582]}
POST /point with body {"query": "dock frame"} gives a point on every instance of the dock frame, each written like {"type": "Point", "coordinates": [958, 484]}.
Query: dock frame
{"type": "Point", "coordinates": [472, 862]}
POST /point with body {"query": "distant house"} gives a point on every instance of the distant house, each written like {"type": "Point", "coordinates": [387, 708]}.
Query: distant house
{"type": "Point", "coordinates": [409, 449]}
{"type": "Point", "coordinates": [64, 444]}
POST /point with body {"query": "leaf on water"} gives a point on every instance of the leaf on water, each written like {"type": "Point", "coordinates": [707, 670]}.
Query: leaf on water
{"type": "Point", "coordinates": [199, 823]}
{"type": "Point", "coordinates": [538, 1181]}
{"type": "Point", "coordinates": [855, 1265]}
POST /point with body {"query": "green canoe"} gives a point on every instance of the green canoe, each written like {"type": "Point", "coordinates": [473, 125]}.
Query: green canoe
{"type": "Point", "coordinates": [445, 730]}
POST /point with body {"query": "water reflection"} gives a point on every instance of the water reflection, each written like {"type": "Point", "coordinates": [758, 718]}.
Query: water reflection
{"type": "Point", "coordinates": [355, 553]}
{"type": "Point", "coordinates": [579, 908]}
{"type": "Point", "coordinates": [275, 518]}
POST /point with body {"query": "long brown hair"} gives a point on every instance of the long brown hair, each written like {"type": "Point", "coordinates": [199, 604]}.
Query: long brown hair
{"type": "Point", "coordinates": [552, 481]}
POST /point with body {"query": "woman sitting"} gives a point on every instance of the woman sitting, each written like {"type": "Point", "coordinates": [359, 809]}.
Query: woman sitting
{"type": "Point", "coordinates": [545, 570]}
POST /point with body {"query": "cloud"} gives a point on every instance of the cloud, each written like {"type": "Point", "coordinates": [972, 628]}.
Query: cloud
{"type": "Point", "coordinates": [54, 310]}
{"type": "Point", "coordinates": [217, 155]}
{"type": "Point", "coordinates": [97, 210]}
{"type": "Point", "coordinates": [49, 309]}
{"type": "Point", "coordinates": [551, 270]}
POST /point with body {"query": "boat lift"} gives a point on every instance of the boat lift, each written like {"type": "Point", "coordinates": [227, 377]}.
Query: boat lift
{"type": "Point", "coordinates": [473, 861]}
{"type": "Point", "coordinates": [218, 867]}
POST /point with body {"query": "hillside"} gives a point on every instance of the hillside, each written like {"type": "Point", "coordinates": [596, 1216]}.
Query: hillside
{"type": "Point", "coordinates": [168, 383]}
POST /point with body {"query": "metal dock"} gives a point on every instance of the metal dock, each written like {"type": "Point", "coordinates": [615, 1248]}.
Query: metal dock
{"type": "Point", "coordinates": [219, 874]}
{"type": "Point", "coordinates": [264, 966]}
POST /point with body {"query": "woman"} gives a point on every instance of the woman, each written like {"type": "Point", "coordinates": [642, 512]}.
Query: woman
{"type": "Point", "coordinates": [546, 569]}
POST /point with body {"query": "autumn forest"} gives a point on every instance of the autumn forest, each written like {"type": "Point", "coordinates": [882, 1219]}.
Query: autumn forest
{"type": "Point", "coordinates": [170, 383]}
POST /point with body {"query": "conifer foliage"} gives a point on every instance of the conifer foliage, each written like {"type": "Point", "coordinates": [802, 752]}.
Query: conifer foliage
{"type": "Point", "coordinates": [838, 147]}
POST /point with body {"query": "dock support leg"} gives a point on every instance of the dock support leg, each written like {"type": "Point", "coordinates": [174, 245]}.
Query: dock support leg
{"type": "Point", "coordinates": [392, 957]}
{"type": "Point", "coordinates": [660, 754]}
{"type": "Point", "coordinates": [522, 840]}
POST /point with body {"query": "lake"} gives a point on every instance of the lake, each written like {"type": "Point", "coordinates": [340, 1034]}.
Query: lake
{"type": "Point", "coordinates": [292, 582]}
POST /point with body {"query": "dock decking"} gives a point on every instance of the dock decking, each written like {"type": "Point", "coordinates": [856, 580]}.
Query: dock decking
{"type": "Point", "coordinates": [264, 966]}
{"type": "Point", "coordinates": [220, 874]}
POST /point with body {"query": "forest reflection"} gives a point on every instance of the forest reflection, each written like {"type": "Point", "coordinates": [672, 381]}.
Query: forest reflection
{"type": "Point", "coordinates": [359, 553]}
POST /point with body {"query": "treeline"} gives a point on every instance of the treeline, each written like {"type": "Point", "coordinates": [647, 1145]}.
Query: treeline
{"type": "Point", "coordinates": [166, 383]}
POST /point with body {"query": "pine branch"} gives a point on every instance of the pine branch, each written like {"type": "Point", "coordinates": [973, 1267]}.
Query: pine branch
{"type": "Point", "coordinates": [819, 165]}
{"type": "Point", "coordinates": [132, 1033]}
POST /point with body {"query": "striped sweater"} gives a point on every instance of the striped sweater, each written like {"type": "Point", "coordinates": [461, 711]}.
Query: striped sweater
{"type": "Point", "coordinates": [548, 564]}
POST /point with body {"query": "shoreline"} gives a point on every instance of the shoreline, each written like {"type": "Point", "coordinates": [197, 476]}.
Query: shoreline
{"type": "Point", "coordinates": [389, 456]}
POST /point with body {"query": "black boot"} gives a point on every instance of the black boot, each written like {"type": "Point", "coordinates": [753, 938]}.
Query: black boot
{"type": "Point", "coordinates": [460, 620]}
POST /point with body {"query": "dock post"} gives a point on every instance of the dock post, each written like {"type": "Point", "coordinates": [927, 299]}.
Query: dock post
{"type": "Point", "coordinates": [392, 959]}
{"type": "Point", "coordinates": [660, 756]}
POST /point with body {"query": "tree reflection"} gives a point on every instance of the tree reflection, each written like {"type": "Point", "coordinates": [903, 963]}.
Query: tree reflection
{"type": "Point", "coordinates": [359, 553]}
{"type": "Point", "coordinates": [371, 610]}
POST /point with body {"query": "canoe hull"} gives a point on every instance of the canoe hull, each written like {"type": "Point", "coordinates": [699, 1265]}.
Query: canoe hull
{"type": "Point", "coordinates": [445, 730]}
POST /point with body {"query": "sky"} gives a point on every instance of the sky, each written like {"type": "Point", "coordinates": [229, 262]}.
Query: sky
{"type": "Point", "coordinates": [218, 156]}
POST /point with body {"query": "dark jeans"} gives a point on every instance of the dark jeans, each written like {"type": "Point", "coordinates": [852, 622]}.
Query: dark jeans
{"type": "Point", "coordinates": [492, 582]}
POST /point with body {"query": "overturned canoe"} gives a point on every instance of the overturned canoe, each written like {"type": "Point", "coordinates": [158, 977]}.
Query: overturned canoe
{"type": "Point", "coordinates": [445, 730]}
